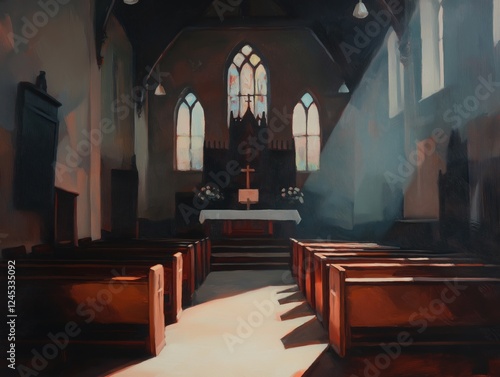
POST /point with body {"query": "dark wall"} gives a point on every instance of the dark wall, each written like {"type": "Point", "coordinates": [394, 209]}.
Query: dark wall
{"type": "Point", "coordinates": [64, 49]}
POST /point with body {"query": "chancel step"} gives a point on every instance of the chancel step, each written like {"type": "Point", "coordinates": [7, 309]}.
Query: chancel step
{"type": "Point", "coordinates": [246, 254]}
{"type": "Point", "coordinates": [251, 258]}
{"type": "Point", "coordinates": [249, 266]}
{"type": "Point", "coordinates": [254, 241]}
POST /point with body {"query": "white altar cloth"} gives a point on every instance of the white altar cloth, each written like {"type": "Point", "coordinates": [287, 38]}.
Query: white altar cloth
{"type": "Point", "coordinates": [253, 214]}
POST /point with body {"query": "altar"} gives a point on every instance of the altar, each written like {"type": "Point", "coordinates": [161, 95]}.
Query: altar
{"type": "Point", "coordinates": [278, 223]}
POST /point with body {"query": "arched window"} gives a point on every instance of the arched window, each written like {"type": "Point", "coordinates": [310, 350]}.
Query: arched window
{"type": "Point", "coordinates": [306, 132]}
{"type": "Point", "coordinates": [190, 134]}
{"type": "Point", "coordinates": [396, 76]}
{"type": "Point", "coordinates": [432, 30]}
{"type": "Point", "coordinates": [496, 22]}
{"type": "Point", "coordinates": [247, 84]}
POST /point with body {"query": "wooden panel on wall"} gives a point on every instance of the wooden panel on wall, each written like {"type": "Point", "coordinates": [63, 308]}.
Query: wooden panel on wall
{"type": "Point", "coordinates": [65, 218]}
{"type": "Point", "coordinates": [124, 191]}
{"type": "Point", "coordinates": [37, 133]}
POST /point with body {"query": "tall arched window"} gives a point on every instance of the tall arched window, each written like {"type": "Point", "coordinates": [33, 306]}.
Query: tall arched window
{"type": "Point", "coordinates": [190, 134]}
{"type": "Point", "coordinates": [306, 132]}
{"type": "Point", "coordinates": [396, 76]}
{"type": "Point", "coordinates": [247, 84]}
{"type": "Point", "coordinates": [432, 30]}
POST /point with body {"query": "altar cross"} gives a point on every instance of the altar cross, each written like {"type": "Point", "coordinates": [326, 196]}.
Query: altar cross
{"type": "Point", "coordinates": [248, 195]}
{"type": "Point", "coordinates": [248, 171]}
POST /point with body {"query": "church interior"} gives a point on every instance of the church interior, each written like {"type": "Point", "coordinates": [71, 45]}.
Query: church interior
{"type": "Point", "coordinates": [250, 187]}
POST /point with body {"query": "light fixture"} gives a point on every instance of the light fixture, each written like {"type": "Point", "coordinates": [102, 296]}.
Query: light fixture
{"type": "Point", "coordinates": [360, 10]}
{"type": "Point", "coordinates": [130, 2]}
{"type": "Point", "coordinates": [343, 88]}
{"type": "Point", "coordinates": [160, 90]}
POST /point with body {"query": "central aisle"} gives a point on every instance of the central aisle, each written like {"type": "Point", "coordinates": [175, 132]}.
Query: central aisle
{"type": "Point", "coordinates": [234, 330]}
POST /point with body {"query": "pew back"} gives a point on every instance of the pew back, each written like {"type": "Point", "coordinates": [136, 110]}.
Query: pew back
{"type": "Point", "coordinates": [375, 303]}
{"type": "Point", "coordinates": [318, 286]}
{"type": "Point", "coordinates": [149, 252]}
{"type": "Point", "coordinates": [299, 253]}
{"type": "Point", "coordinates": [308, 267]}
{"type": "Point", "coordinates": [319, 277]}
{"type": "Point", "coordinates": [172, 274]}
{"type": "Point", "coordinates": [101, 304]}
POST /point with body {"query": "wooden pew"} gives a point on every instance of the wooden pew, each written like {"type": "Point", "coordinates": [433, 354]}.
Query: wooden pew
{"type": "Point", "coordinates": [90, 305]}
{"type": "Point", "coordinates": [201, 251]}
{"type": "Point", "coordinates": [299, 250]}
{"type": "Point", "coordinates": [150, 251]}
{"type": "Point", "coordinates": [444, 304]}
{"type": "Point", "coordinates": [11, 253]}
{"type": "Point", "coordinates": [201, 247]}
{"type": "Point", "coordinates": [317, 277]}
{"type": "Point", "coordinates": [309, 268]}
{"type": "Point", "coordinates": [172, 271]}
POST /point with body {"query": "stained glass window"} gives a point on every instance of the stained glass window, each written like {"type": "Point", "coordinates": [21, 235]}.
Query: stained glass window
{"type": "Point", "coordinates": [496, 22]}
{"type": "Point", "coordinates": [190, 134]}
{"type": "Point", "coordinates": [306, 132]}
{"type": "Point", "coordinates": [247, 84]}
{"type": "Point", "coordinates": [432, 27]}
{"type": "Point", "coordinates": [396, 76]}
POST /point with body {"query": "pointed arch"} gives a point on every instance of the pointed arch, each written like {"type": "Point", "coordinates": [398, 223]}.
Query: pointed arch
{"type": "Point", "coordinates": [247, 83]}
{"type": "Point", "coordinates": [190, 133]}
{"type": "Point", "coordinates": [306, 133]}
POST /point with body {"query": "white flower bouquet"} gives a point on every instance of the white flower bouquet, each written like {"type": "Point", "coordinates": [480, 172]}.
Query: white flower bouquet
{"type": "Point", "coordinates": [210, 193]}
{"type": "Point", "coordinates": [292, 195]}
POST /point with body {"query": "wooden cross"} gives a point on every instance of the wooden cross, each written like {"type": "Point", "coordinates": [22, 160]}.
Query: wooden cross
{"type": "Point", "coordinates": [248, 171]}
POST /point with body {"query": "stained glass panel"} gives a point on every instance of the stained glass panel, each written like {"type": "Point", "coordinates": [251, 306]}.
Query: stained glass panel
{"type": "Point", "coordinates": [307, 100]}
{"type": "Point", "coordinates": [234, 105]}
{"type": "Point", "coordinates": [183, 120]}
{"type": "Point", "coordinates": [261, 103]}
{"type": "Point", "coordinates": [301, 153]}
{"type": "Point", "coordinates": [233, 83]}
{"type": "Point", "coordinates": [239, 59]}
{"type": "Point", "coordinates": [198, 120]}
{"type": "Point", "coordinates": [190, 99]}
{"type": "Point", "coordinates": [261, 79]}
{"type": "Point", "coordinates": [244, 105]}
{"type": "Point", "coordinates": [299, 122]}
{"type": "Point", "coordinates": [254, 59]}
{"type": "Point", "coordinates": [313, 120]}
{"type": "Point", "coordinates": [246, 50]}
{"type": "Point", "coordinates": [197, 153]}
{"type": "Point", "coordinates": [247, 80]}
{"type": "Point", "coordinates": [313, 152]}
{"type": "Point", "coordinates": [183, 153]}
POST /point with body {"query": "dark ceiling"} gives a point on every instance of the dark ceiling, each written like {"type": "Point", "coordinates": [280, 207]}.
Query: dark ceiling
{"type": "Point", "coordinates": [151, 25]}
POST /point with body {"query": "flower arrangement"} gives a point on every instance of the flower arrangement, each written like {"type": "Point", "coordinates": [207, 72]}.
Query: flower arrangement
{"type": "Point", "coordinates": [292, 195]}
{"type": "Point", "coordinates": [210, 193]}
